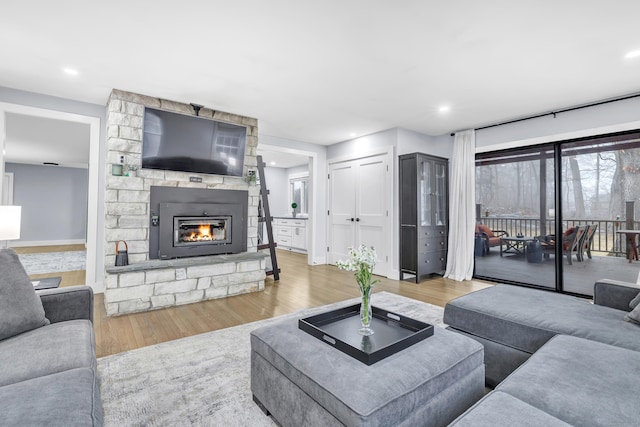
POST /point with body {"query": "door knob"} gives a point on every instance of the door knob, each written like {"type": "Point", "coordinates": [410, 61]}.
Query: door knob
{"type": "Point", "coordinates": [350, 219]}
{"type": "Point", "coordinates": [358, 219]}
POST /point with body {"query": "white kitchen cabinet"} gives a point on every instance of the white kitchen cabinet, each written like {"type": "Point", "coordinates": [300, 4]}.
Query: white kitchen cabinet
{"type": "Point", "coordinates": [291, 233]}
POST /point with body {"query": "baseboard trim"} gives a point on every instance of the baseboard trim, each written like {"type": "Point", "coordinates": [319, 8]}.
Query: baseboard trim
{"type": "Point", "coordinates": [23, 243]}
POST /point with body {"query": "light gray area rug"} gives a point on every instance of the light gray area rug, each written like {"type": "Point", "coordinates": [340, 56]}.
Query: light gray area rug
{"type": "Point", "coordinates": [53, 262]}
{"type": "Point", "coordinates": [204, 380]}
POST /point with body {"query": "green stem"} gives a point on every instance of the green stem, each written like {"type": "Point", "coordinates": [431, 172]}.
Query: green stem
{"type": "Point", "coordinates": [366, 295]}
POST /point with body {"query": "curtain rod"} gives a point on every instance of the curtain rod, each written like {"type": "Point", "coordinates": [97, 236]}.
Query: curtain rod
{"type": "Point", "coordinates": [553, 113]}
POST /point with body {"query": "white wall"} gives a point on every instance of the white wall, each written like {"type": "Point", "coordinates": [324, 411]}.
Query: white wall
{"type": "Point", "coordinates": [357, 147]}
{"type": "Point", "coordinates": [414, 142]}
{"type": "Point", "coordinates": [298, 171]}
{"type": "Point", "coordinates": [54, 203]}
{"type": "Point", "coordinates": [599, 119]}
{"type": "Point", "coordinates": [278, 186]}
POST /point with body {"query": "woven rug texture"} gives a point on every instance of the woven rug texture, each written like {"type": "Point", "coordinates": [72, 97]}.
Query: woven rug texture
{"type": "Point", "coordinates": [53, 262]}
{"type": "Point", "coordinates": [204, 380]}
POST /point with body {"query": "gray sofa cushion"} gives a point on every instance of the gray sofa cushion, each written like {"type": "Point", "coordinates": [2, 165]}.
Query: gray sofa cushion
{"type": "Point", "coordinates": [635, 302]}
{"type": "Point", "coordinates": [581, 382]}
{"type": "Point", "coordinates": [634, 316]}
{"type": "Point", "coordinates": [526, 319]}
{"type": "Point", "coordinates": [54, 348]}
{"type": "Point", "coordinates": [20, 307]}
{"type": "Point", "coordinates": [69, 398]}
{"type": "Point", "coordinates": [357, 394]}
{"type": "Point", "coordinates": [502, 409]}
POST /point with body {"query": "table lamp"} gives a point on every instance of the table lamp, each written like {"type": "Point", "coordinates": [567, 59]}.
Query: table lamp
{"type": "Point", "coordinates": [9, 223]}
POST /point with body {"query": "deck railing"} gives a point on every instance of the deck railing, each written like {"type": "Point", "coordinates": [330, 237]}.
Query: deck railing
{"type": "Point", "coordinates": [605, 241]}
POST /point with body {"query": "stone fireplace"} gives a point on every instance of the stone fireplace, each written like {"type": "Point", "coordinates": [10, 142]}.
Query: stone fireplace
{"type": "Point", "coordinates": [191, 236]}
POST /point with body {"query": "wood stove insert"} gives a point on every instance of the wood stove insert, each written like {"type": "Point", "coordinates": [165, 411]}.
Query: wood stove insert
{"type": "Point", "coordinates": [197, 222]}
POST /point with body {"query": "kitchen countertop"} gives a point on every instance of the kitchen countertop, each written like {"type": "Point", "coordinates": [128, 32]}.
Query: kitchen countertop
{"type": "Point", "coordinates": [290, 217]}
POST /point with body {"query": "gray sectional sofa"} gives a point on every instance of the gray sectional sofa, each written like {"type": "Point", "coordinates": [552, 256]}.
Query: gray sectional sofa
{"type": "Point", "coordinates": [556, 359]}
{"type": "Point", "coordinates": [47, 352]}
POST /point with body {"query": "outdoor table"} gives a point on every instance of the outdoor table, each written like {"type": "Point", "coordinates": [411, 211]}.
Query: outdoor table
{"type": "Point", "coordinates": [632, 247]}
{"type": "Point", "coordinates": [516, 245]}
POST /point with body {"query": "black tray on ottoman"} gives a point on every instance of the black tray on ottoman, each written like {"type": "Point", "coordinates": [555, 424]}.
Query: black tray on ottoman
{"type": "Point", "coordinates": [392, 332]}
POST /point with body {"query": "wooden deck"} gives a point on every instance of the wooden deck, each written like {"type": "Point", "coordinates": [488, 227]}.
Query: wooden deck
{"type": "Point", "coordinates": [578, 277]}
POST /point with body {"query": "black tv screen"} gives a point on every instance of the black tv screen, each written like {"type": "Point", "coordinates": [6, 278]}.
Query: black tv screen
{"type": "Point", "coordinates": [177, 142]}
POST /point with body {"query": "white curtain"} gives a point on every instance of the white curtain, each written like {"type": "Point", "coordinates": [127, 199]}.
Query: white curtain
{"type": "Point", "coordinates": [462, 199]}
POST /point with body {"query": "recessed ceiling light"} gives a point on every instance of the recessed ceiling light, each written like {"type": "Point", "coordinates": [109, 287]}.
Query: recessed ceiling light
{"type": "Point", "coordinates": [272, 163]}
{"type": "Point", "coordinates": [444, 108]}
{"type": "Point", "coordinates": [632, 54]}
{"type": "Point", "coordinates": [353, 134]}
{"type": "Point", "coordinates": [71, 71]}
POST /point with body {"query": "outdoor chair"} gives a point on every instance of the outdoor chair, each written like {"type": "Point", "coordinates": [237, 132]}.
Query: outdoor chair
{"type": "Point", "coordinates": [491, 237]}
{"type": "Point", "coordinates": [571, 241]}
{"type": "Point", "coordinates": [587, 241]}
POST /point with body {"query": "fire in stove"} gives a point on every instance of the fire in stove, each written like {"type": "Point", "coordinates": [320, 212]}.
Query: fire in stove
{"type": "Point", "coordinates": [205, 233]}
{"type": "Point", "coordinates": [202, 231]}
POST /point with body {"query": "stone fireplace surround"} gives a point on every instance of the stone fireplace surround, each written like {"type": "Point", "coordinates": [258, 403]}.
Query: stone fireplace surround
{"type": "Point", "coordinates": [147, 284]}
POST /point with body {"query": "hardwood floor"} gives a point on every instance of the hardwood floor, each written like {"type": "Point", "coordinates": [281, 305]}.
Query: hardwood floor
{"type": "Point", "coordinates": [300, 286]}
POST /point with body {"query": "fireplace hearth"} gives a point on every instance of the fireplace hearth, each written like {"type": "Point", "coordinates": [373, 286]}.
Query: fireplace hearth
{"type": "Point", "coordinates": [189, 222]}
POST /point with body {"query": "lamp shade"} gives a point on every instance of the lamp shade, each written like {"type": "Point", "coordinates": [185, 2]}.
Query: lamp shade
{"type": "Point", "coordinates": [10, 222]}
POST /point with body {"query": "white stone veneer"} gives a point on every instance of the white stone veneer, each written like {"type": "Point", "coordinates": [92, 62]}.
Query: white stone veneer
{"type": "Point", "coordinates": [127, 201]}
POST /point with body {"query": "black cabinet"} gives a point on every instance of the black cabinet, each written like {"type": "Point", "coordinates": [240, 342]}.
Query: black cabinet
{"type": "Point", "coordinates": [424, 186]}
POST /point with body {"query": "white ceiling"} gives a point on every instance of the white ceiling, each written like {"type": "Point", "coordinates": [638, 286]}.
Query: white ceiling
{"type": "Point", "coordinates": [278, 159]}
{"type": "Point", "coordinates": [319, 71]}
{"type": "Point", "coordinates": [34, 140]}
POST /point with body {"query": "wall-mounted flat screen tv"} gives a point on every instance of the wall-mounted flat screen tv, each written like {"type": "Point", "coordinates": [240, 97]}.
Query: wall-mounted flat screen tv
{"type": "Point", "coordinates": [177, 142]}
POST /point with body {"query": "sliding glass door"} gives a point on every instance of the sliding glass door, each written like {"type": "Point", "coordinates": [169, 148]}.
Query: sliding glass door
{"type": "Point", "coordinates": [515, 203]}
{"type": "Point", "coordinates": [559, 216]}
{"type": "Point", "coordinates": [600, 197]}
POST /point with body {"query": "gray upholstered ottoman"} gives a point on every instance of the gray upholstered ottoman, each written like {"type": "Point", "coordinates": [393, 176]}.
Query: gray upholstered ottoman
{"type": "Point", "coordinates": [301, 381]}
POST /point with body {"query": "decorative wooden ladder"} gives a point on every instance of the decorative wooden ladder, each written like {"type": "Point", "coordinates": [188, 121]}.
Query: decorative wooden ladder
{"type": "Point", "coordinates": [264, 216]}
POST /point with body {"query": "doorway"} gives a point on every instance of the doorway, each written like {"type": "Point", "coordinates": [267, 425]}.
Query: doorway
{"type": "Point", "coordinates": [294, 167]}
{"type": "Point", "coordinates": [92, 161]}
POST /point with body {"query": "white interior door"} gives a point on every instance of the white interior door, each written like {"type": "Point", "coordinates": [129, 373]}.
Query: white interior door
{"type": "Point", "coordinates": [358, 211]}
{"type": "Point", "coordinates": [371, 208]}
{"type": "Point", "coordinates": [341, 210]}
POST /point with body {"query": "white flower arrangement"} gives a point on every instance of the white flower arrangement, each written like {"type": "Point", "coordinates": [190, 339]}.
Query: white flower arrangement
{"type": "Point", "coordinates": [361, 261]}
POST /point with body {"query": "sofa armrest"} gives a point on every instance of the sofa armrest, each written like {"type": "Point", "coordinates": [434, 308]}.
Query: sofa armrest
{"type": "Point", "coordinates": [614, 293]}
{"type": "Point", "coordinates": [68, 303]}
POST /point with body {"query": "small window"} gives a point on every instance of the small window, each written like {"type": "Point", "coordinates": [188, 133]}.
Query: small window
{"type": "Point", "coordinates": [299, 194]}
